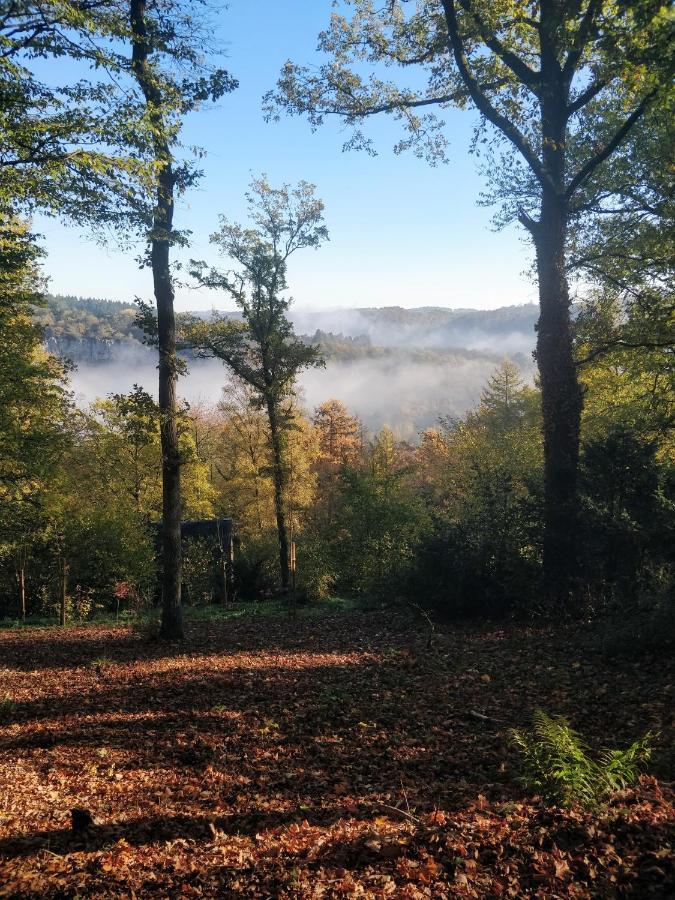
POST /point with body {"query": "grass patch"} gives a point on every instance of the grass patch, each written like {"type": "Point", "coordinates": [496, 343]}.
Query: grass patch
{"type": "Point", "coordinates": [149, 619]}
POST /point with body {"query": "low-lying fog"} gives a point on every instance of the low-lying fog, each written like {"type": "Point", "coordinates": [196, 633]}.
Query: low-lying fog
{"type": "Point", "coordinates": [407, 395]}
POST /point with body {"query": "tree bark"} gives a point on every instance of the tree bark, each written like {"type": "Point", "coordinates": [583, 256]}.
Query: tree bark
{"type": "Point", "coordinates": [22, 591]}
{"type": "Point", "coordinates": [279, 490]}
{"type": "Point", "coordinates": [63, 591]}
{"type": "Point", "coordinates": [561, 402]}
{"type": "Point", "coordinates": [162, 227]}
{"type": "Point", "coordinates": [172, 614]}
{"type": "Point", "coordinates": [560, 391]}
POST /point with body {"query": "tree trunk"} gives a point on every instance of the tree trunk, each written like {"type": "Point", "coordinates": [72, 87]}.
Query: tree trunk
{"type": "Point", "coordinates": [172, 615]}
{"type": "Point", "coordinates": [63, 591]}
{"type": "Point", "coordinates": [162, 228]}
{"type": "Point", "coordinates": [561, 400]}
{"type": "Point", "coordinates": [279, 489]}
{"type": "Point", "coordinates": [22, 591]}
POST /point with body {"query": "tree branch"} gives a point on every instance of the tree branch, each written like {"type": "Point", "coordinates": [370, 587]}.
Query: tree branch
{"type": "Point", "coordinates": [586, 171]}
{"type": "Point", "coordinates": [581, 39]}
{"type": "Point", "coordinates": [586, 96]}
{"type": "Point", "coordinates": [521, 70]}
{"type": "Point", "coordinates": [618, 344]}
{"type": "Point", "coordinates": [484, 106]}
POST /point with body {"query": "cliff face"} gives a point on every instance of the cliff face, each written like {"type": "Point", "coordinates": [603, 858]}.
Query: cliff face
{"type": "Point", "coordinates": [88, 350]}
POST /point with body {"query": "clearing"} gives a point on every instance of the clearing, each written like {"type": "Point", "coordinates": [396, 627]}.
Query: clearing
{"type": "Point", "coordinates": [320, 757]}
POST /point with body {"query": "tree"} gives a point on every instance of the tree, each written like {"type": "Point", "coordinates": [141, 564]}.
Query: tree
{"type": "Point", "coordinates": [625, 326]}
{"type": "Point", "coordinates": [482, 475]}
{"type": "Point", "coordinates": [33, 400]}
{"type": "Point", "coordinates": [339, 433]}
{"type": "Point", "coordinates": [340, 444]}
{"type": "Point", "coordinates": [70, 148]}
{"type": "Point", "coordinates": [505, 400]}
{"type": "Point", "coordinates": [562, 85]}
{"type": "Point", "coordinates": [129, 446]}
{"type": "Point", "coordinates": [167, 99]}
{"type": "Point", "coordinates": [262, 349]}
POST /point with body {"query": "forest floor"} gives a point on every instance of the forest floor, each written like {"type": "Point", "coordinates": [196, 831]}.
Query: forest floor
{"type": "Point", "coordinates": [319, 757]}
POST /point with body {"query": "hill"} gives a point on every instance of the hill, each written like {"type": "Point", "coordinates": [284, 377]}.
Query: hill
{"type": "Point", "coordinates": [90, 329]}
{"type": "Point", "coordinates": [395, 366]}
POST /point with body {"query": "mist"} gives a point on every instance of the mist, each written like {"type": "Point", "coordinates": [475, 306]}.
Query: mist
{"type": "Point", "coordinates": [506, 330]}
{"type": "Point", "coordinates": [405, 394]}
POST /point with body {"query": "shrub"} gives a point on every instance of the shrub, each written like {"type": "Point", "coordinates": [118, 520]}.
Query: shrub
{"type": "Point", "coordinates": [557, 764]}
{"type": "Point", "coordinates": [198, 571]}
{"type": "Point", "coordinates": [7, 708]}
{"type": "Point", "coordinates": [316, 572]}
{"type": "Point", "coordinates": [641, 632]}
{"type": "Point", "coordinates": [463, 573]}
{"type": "Point", "coordinates": [256, 568]}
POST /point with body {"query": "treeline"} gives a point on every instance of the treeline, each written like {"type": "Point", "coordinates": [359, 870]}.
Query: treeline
{"type": "Point", "coordinates": [452, 523]}
{"type": "Point", "coordinates": [71, 324]}
{"type": "Point", "coordinates": [67, 319]}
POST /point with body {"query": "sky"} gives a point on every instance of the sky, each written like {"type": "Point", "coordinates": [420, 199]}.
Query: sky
{"type": "Point", "coordinates": [402, 233]}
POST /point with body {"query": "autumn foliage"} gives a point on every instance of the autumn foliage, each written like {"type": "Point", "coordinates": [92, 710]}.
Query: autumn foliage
{"type": "Point", "coordinates": [318, 757]}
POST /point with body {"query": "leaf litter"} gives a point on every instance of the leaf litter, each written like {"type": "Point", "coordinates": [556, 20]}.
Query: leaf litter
{"type": "Point", "coordinates": [319, 758]}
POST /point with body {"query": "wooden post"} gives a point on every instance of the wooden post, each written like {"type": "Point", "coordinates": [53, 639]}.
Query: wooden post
{"type": "Point", "coordinates": [221, 557]}
{"type": "Point", "coordinates": [63, 584]}
{"type": "Point", "coordinates": [22, 591]}
{"type": "Point", "coordinates": [292, 568]}
{"type": "Point", "coordinates": [229, 568]}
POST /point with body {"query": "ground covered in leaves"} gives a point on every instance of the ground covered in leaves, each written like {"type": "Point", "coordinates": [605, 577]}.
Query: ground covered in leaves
{"type": "Point", "coordinates": [318, 757]}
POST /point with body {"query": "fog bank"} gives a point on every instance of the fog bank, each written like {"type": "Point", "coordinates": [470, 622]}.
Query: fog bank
{"type": "Point", "coordinates": [408, 396]}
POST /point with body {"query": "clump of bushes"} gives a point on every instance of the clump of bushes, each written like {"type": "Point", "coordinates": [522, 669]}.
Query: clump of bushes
{"type": "Point", "coordinates": [557, 763]}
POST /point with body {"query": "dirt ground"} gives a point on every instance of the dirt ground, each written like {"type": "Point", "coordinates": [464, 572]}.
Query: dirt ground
{"type": "Point", "coordinates": [320, 757]}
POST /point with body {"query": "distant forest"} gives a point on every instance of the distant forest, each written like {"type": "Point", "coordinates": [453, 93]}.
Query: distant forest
{"type": "Point", "coordinates": [70, 319]}
{"type": "Point", "coordinates": [88, 328]}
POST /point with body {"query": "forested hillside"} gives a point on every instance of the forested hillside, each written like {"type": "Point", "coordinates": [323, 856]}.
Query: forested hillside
{"type": "Point", "coordinates": [418, 363]}
{"type": "Point", "coordinates": [74, 325]}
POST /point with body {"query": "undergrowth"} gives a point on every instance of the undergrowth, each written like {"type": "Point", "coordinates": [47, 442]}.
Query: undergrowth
{"type": "Point", "coordinates": [557, 763]}
{"type": "Point", "coordinates": [7, 708]}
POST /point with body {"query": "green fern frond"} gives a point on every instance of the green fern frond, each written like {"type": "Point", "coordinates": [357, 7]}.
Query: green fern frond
{"type": "Point", "coordinates": [557, 764]}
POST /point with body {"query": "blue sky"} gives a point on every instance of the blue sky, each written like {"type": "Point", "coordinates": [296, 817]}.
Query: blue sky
{"type": "Point", "coordinates": [402, 233]}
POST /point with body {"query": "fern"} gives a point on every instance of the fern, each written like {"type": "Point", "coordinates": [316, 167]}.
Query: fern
{"type": "Point", "coordinates": [7, 708]}
{"type": "Point", "coordinates": [557, 763]}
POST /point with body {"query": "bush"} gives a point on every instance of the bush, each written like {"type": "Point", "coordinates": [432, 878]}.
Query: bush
{"type": "Point", "coordinates": [316, 572]}
{"type": "Point", "coordinates": [557, 765]}
{"type": "Point", "coordinates": [198, 571]}
{"type": "Point", "coordinates": [464, 574]}
{"type": "Point", "coordinates": [640, 632]}
{"type": "Point", "coordinates": [381, 525]}
{"type": "Point", "coordinates": [627, 524]}
{"type": "Point", "coordinates": [7, 708]}
{"type": "Point", "coordinates": [256, 568]}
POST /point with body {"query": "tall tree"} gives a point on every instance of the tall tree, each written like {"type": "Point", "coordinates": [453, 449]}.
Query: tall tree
{"type": "Point", "coordinates": [69, 144]}
{"type": "Point", "coordinates": [340, 444]}
{"type": "Point", "coordinates": [99, 148]}
{"type": "Point", "coordinates": [33, 399]}
{"type": "Point", "coordinates": [262, 349]}
{"type": "Point", "coordinates": [167, 100]}
{"type": "Point", "coordinates": [504, 399]}
{"type": "Point", "coordinates": [562, 84]}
